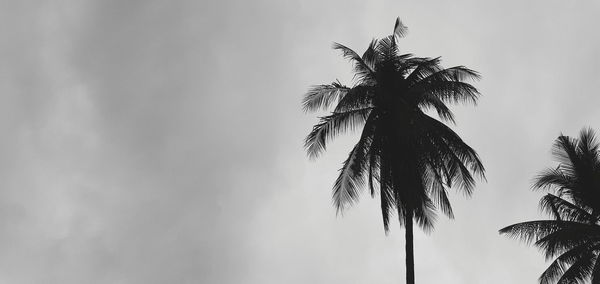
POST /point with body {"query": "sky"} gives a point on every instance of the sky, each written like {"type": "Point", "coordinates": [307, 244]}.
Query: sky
{"type": "Point", "coordinates": [162, 141]}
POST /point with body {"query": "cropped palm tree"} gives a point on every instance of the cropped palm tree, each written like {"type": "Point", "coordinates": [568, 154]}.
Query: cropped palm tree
{"type": "Point", "coordinates": [572, 238]}
{"type": "Point", "coordinates": [404, 155]}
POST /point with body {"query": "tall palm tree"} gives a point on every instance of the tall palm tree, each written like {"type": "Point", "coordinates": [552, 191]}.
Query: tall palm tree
{"type": "Point", "coordinates": [573, 236]}
{"type": "Point", "coordinates": [406, 156]}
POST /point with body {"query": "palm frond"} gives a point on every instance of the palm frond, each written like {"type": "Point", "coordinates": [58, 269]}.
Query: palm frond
{"type": "Point", "coordinates": [566, 238]}
{"type": "Point", "coordinates": [564, 151]}
{"type": "Point", "coordinates": [387, 50]}
{"type": "Point", "coordinates": [456, 73]}
{"type": "Point", "coordinates": [374, 164]}
{"type": "Point", "coordinates": [565, 209]}
{"type": "Point", "coordinates": [356, 98]}
{"type": "Point", "coordinates": [425, 215]}
{"type": "Point", "coordinates": [321, 97]}
{"type": "Point", "coordinates": [331, 126]}
{"type": "Point", "coordinates": [386, 192]}
{"type": "Point", "coordinates": [531, 231]}
{"type": "Point", "coordinates": [362, 70]}
{"type": "Point", "coordinates": [436, 177]}
{"type": "Point", "coordinates": [587, 142]}
{"type": "Point", "coordinates": [370, 56]}
{"type": "Point", "coordinates": [350, 179]}
{"type": "Point", "coordinates": [556, 178]}
{"type": "Point", "coordinates": [437, 190]}
{"type": "Point", "coordinates": [446, 148]}
{"type": "Point", "coordinates": [430, 101]}
{"type": "Point", "coordinates": [447, 91]}
{"type": "Point", "coordinates": [560, 265]}
{"type": "Point", "coordinates": [441, 132]}
{"type": "Point", "coordinates": [421, 68]}
{"type": "Point", "coordinates": [400, 30]}
{"type": "Point", "coordinates": [580, 270]}
{"type": "Point", "coordinates": [352, 174]}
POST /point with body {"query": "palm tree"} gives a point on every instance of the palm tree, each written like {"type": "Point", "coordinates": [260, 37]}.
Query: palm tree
{"type": "Point", "coordinates": [573, 236]}
{"type": "Point", "coordinates": [406, 156]}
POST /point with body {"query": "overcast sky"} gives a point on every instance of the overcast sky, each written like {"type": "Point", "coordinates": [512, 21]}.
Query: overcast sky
{"type": "Point", "coordinates": [161, 141]}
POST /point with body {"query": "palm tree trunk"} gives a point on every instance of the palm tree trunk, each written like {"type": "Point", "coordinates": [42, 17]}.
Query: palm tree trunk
{"type": "Point", "coordinates": [410, 258]}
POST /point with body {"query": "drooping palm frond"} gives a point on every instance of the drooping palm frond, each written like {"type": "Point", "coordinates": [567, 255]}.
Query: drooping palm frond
{"type": "Point", "coordinates": [331, 126]}
{"type": "Point", "coordinates": [425, 215]}
{"type": "Point", "coordinates": [374, 162]}
{"type": "Point", "coordinates": [566, 238]}
{"type": "Point", "coordinates": [450, 91]}
{"type": "Point", "coordinates": [580, 270]}
{"type": "Point", "coordinates": [560, 265]}
{"type": "Point", "coordinates": [436, 187]}
{"type": "Point", "coordinates": [448, 85]}
{"type": "Point", "coordinates": [453, 74]}
{"type": "Point", "coordinates": [455, 159]}
{"type": "Point", "coordinates": [352, 174]}
{"type": "Point", "coordinates": [387, 190]}
{"type": "Point", "coordinates": [431, 101]}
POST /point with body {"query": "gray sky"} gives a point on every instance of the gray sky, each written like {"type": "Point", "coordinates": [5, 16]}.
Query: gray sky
{"type": "Point", "coordinates": [161, 141]}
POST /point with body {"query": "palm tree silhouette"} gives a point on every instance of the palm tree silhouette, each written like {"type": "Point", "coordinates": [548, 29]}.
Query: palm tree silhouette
{"type": "Point", "coordinates": [573, 237]}
{"type": "Point", "coordinates": [403, 154]}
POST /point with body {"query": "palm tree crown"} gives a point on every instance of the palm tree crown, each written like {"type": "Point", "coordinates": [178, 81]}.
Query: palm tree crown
{"type": "Point", "coordinates": [572, 238]}
{"type": "Point", "coordinates": [404, 155]}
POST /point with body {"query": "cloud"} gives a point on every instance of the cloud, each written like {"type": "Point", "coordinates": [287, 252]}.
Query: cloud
{"type": "Point", "coordinates": [161, 142]}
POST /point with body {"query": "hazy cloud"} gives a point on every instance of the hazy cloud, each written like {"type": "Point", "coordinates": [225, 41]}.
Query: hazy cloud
{"type": "Point", "coordinates": [161, 142]}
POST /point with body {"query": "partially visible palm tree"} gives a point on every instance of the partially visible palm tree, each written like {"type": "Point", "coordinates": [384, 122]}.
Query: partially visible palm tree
{"type": "Point", "coordinates": [406, 156]}
{"type": "Point", "coordinates": [573, 236]}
